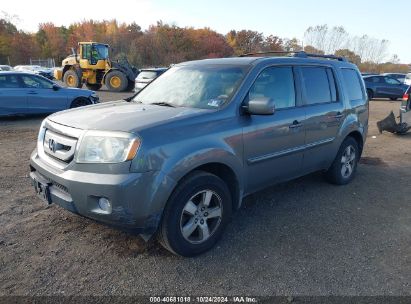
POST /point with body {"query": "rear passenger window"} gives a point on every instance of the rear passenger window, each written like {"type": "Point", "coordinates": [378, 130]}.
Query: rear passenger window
{"type": "Point", "coordinates": [319, 85]}
{"type": "Point", "coordinates": [9, 82]}
{"type": "Point", "coordinates": [276, 83]}
{"type": "Point", "coordinates": [353, 84]}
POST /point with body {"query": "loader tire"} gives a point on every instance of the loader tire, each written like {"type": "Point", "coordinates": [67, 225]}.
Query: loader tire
{"type": "Point", "coordinates": [116, 81]}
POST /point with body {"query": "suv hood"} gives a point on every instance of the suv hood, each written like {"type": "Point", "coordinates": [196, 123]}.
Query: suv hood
{"type": "Point", "coordinates": [121, 116]}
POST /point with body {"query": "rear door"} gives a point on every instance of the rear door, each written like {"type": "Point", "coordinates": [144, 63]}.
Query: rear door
{"type": "Point", "coordinates": [41, 97]}
{"type": "Point", "coordinates": [325, 112]}
{"type": "Point", "coordinates": [12, 98]}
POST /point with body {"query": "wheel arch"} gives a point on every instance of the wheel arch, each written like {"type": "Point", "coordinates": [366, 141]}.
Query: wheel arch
{"type": "Point", "coordinates": [358, 138]}
{"type": "Point", "coordinates": [76, 99]}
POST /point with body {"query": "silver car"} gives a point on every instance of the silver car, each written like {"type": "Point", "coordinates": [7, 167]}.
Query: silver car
{"type": "Point", "coordinates": [146, 76]}
{"type": "Point", "coordinates": [177, 160]}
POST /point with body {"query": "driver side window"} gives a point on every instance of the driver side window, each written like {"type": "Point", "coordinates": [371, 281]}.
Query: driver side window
{"type": "Point", "coordinates": [34, 82]}
{"type": "Point", "coordinates": [276, 83]}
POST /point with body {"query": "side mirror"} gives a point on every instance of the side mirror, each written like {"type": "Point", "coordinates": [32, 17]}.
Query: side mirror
{"type": "Point", "coordinates": [261, 106]}
{"type": "Point", "coordinates": [56, 87]}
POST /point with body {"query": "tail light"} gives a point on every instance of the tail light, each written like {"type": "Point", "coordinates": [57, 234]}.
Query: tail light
{"type": "Point", "coordinates": [405, 97]}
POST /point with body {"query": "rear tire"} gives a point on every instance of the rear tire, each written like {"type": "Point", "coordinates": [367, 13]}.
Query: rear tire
{"type": "Point", "coordinates": [344, 167]}
{"type": "Point", "coordinates": [116, 81]}
{"type": "Point", "coordinates": [393, 98]}
{"type": "Point", "coordinates": [370, 94]}
{"type": "Point", "coordinates": [94, 86]}
{"type": "Point", "coordinates": [72, 79]}
{"type": "Point", "coordinates": [195, 215]}
{"type": "Point", "coordinates": [80, 102]}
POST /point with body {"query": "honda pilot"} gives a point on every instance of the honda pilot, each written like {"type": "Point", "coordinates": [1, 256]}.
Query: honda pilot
{"type": "Point", "coordinates": [177, 160]}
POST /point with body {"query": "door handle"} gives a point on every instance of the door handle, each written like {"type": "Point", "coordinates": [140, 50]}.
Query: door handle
{"type": "Point", "coordinates": [32, 92]}
{"type": "Point", "coordinates": [295, 125]}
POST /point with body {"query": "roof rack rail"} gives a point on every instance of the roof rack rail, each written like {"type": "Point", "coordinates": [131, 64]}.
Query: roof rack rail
{"type": "Point", "coordinates": [299, 54]}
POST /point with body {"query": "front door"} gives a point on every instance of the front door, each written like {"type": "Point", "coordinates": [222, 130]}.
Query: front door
{"type": "Point", "coordinates": [394, 88]}
{"type": "Point", "coordinates": [273, 143]}
{"type": "Point", "coordinates": [41, 97]}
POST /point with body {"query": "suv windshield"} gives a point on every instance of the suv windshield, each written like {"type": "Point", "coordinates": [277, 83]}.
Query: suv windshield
{"type": "Point", "coordinates": [204, 87]}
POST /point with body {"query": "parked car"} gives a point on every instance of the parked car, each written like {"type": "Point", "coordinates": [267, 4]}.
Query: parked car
{"type": "Point", "coordinates": [390, 124]}
{"type": "Point", "coordinates": [146, 76]}
{"type": "Point", "coordinates": [407, 80]}
{"type": "Point", "coordinates": [5, 68]}
{"type": "Point", "coordinates": [26, 93]}
{"type": "Point", "coordinates": [405, 109]}
{"type": "Point", "coordinates": [177, 160]}
{"type": "Point", "coordinates": [379, 86]}
{"type": "Point", "coordinates": [36, 69]}
{"type": "Point", "coordinates": [399, 76]}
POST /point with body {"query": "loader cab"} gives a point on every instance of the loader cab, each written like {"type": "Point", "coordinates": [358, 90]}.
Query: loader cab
{"type": "Point", "coordinates": [93, 55]}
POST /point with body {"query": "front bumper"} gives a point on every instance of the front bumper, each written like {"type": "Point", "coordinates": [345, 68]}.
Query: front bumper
{"type": "Point", "coordinates": [135, 206]}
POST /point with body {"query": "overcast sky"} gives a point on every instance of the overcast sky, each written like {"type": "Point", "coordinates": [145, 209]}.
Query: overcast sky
{"type": "Point", "coordinates": [287, 19]}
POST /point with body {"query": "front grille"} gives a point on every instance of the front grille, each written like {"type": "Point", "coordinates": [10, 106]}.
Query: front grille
{"type": "Point", "coordinates": [59, 146]}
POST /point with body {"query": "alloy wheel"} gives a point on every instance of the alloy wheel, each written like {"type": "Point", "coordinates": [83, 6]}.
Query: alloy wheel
{"type": "Point", "coordinates": [348, 161]}
{"type": "Point", "coordinates": [201, 216]}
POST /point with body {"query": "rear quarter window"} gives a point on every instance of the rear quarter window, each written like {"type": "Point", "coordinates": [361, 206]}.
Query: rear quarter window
{"type": "Point", "coordinates": [352, 83]}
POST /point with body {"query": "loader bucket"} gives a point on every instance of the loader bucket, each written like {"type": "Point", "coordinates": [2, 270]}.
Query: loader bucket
{"type": "Point", "coordinates": [390, 124]}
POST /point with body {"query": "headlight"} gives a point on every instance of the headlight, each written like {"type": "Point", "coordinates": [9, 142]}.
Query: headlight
{"type": "Point", "coordinates": [94, 97]}
{"type": "Point", "coordinates": [107, 147]}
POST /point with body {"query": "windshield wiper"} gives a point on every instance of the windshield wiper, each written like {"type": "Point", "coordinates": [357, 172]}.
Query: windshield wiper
{"type": "Point", "coordinates": [162, 103]}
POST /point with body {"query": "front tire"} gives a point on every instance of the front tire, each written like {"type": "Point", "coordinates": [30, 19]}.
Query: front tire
{"type": "Point", "coordinates": [195, 215]}
{"type": "Point", "coordinates": [343, 169]}
{"type": "Point", "coordinates": [116, 81]}
{"type": "Point", "coordinates": [80, 102]}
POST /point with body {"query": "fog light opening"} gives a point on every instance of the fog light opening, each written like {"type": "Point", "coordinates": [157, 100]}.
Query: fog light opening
{"type": "Point", "coordinates": [104, 204]}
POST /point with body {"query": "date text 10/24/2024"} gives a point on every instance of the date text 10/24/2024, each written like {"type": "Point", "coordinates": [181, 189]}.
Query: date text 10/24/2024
{"type": "Point", "coordinates": [234, 299]}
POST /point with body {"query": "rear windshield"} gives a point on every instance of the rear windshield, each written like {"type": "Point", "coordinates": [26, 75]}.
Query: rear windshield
{"type": "Point", "coordinates": [147, 75]}
{"type": "Point", "coordinates": [408, 76]}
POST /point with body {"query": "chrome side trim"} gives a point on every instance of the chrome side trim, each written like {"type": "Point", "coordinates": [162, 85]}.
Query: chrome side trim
{"type": "Point", "coordinates": [281, 153]}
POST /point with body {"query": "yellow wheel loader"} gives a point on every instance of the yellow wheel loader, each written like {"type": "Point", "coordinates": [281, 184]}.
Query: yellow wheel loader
{"type": "Point", "coordinates": [92, 66]}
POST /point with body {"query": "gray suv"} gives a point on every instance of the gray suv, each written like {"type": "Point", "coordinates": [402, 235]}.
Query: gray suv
{"type": "Point", "coordinates": [177, 159]}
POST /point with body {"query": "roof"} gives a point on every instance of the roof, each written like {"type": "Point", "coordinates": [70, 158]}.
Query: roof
{"type": "Point", "coordinates": [16, 73]}
{"type": "Point", "coordinates": [270, 59]}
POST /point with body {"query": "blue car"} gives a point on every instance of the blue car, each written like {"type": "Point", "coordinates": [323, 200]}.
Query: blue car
{"type": "Point", "coordinates": [380, 86]}
{"type": "Point", "coordinates": [26, 93]}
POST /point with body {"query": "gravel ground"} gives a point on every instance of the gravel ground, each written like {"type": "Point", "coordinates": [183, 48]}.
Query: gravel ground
{"type": "Point", "coordinates": [304, 237]}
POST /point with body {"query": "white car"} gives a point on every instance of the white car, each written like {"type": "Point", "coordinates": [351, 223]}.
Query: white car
{"type": "Point", "coordinates": [407, 80]}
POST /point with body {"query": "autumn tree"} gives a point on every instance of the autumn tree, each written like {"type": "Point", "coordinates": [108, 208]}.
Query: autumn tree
{"type": "Point", "coordinates": [245, 41]}
{"type": "Point", "coordinates": [350, 55]}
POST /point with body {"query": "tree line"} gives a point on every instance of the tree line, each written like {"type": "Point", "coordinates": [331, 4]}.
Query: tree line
{"type": "Point", "coordinates": [163, 44]}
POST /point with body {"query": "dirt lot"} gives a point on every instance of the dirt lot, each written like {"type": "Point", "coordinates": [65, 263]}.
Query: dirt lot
{"type": "Point", "coordinates": [304, 237]}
